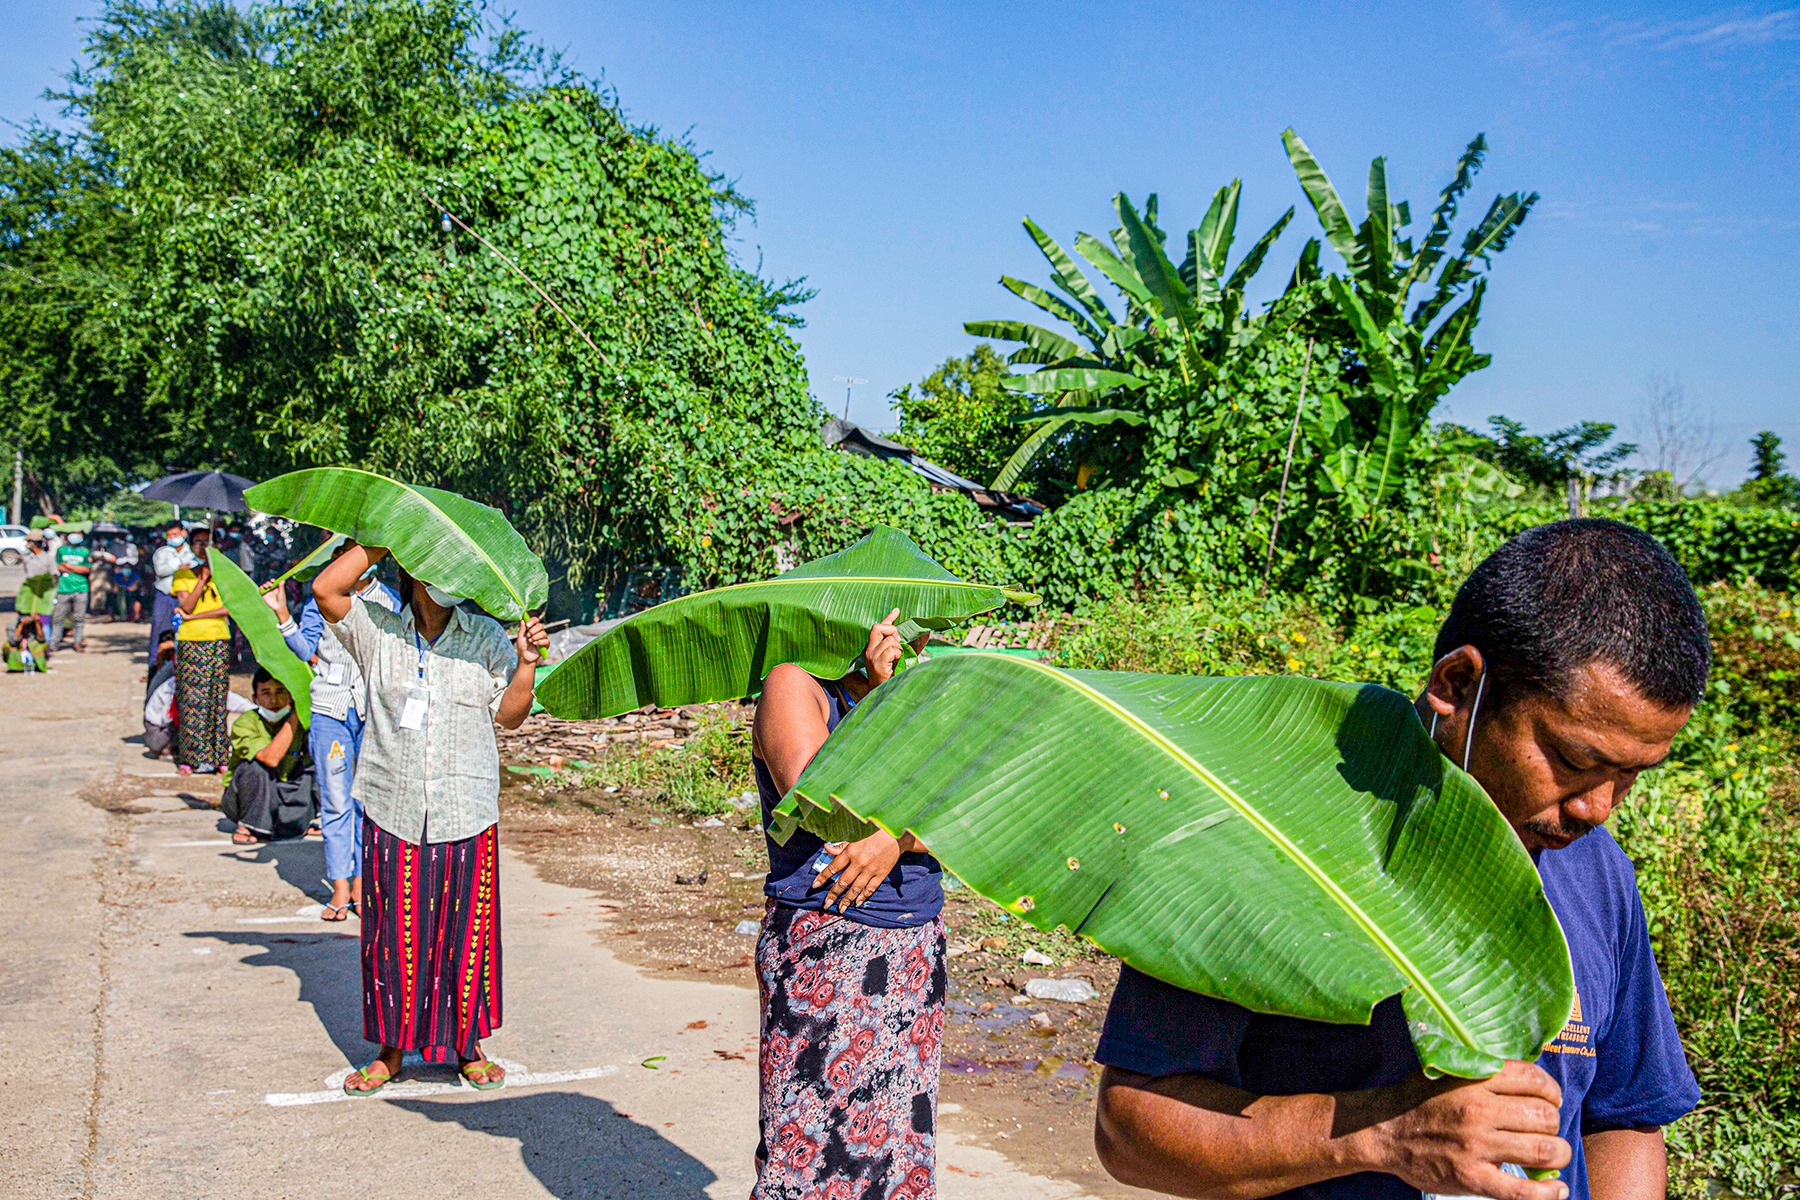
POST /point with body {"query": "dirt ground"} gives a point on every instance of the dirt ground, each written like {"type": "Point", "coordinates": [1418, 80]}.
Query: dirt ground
{"type": "Point", "coordinates": [686, 894]}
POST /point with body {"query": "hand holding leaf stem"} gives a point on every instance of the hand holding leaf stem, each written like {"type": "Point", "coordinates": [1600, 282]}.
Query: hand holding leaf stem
{"type": "Point", "coordinates": [275, 596]}
{"type": "Point", "coordinates": [530, 643]}
{"type": "Point", "coordinates": [883, 650]}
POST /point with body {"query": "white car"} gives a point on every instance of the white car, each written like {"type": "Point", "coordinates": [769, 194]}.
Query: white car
{"type": "Point", "coordinates": [12, 544]}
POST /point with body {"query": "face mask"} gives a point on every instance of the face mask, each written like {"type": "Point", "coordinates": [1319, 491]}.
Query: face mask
{"type": "Point", "coordinates": [368, 574]}
{"type": "Point", "coordinates": [272, 715]}
{"type": "Point", "coordinates": [178, 541]}
{"type": "Point", "coordinates": [75, 539]}
{"type": "Point", "coordinates": [441, 597]}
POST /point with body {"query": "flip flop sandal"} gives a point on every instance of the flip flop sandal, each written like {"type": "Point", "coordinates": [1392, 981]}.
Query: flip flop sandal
{"type": "Point", "coordinates": [342, 911]}
{"type": "Point", "coordinates": [361, 1093]}
{"type": "Point", "coordinates": [249, 839]}
{"type": "Point", "coordinates": [485, 1085]}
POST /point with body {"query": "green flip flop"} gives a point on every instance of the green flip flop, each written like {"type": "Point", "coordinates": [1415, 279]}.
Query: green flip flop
{"type": "Point", "coordinates": [483, 1085]}
{"type": "Point", "coordinates": [362, 1093]}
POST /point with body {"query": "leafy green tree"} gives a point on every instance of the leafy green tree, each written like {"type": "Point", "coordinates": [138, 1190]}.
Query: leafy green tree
{"type": "Point", "coordinates": [232, 261]}
{"type": "Point", "coordinates": [1168, 345]}
{"type": "Point", "coordinates": [1548, 461]}
{"type": "Point", "coordinates": [1769, 482]}
{"type": "Point", "coordinates": [1408, 360]}
{"type": "Point", "coordinates": [961, 415]}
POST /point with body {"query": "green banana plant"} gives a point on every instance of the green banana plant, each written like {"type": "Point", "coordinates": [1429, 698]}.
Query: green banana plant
{"type": "Point", "coordinates": [243, 600]}
{"type": "Point", "coordinates": [720, 644]}
{"type": "Point", "coordinates": [1412, 359]}
{"type": "Point", "coordinates": [1178, 319]}
{"type": "Point", "coordinates": [461, 546]}
{"type": "Point", "coordinates": [1290, 845]}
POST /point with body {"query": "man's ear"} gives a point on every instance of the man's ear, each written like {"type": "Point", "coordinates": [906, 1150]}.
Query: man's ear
{"type": "Point", "coordinates": [1454, 678]}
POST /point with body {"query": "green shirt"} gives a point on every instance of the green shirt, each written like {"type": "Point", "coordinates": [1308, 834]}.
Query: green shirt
{"type": "Point", "coordinates": [73, 556]}
{"type": "Point", "coordinates": [250, 733]}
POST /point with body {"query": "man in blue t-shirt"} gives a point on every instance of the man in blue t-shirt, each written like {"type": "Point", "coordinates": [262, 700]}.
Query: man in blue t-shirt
{"type": "Point", "coordinates": [1570, 659]}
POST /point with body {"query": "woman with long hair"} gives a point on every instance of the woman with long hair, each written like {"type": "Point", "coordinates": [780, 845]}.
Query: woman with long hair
{"type": "Point", "coordinates": [202, 669]}
{"type": "Point", "coordinates": [439, 676]}
{"type": "Point", "coordinates": [850, 970]}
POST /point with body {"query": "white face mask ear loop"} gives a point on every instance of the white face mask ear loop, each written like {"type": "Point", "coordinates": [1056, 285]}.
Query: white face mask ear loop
{"type": "Point", "coordinates": [1432, 732]}
{"type": "Point", "coordinates": [1469, 742]}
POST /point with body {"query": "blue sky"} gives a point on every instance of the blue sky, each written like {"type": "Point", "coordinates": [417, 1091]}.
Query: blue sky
{"type": "Point", "coordinates": [891, 150]}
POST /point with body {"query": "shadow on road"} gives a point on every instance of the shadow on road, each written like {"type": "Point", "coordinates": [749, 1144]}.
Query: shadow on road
{"type": "Point", "coordinates": [580, 1147]}
{"type": "Point", "coordinates": [329, 970]}
{"type": "Point", "coordinates": [300, 862]}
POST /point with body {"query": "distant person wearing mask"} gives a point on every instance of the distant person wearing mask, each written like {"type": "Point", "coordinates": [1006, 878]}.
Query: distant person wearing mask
{"type": "Point", "coordinates": [74, 562]}
{"type": "Point", "coordinates": [270, 793]}
{"type": "Point", "coordinates": [169, 558]}
{"type": "Point", "coordinates": [202, 668]}
{"type": "Point", "coordinates": [37, 591]}
{"type": "Point", "coordinates": [340, 698]}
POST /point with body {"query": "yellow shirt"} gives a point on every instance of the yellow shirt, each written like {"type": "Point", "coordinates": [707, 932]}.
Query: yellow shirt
{"type": "Point", "coordinates": [206, 629]}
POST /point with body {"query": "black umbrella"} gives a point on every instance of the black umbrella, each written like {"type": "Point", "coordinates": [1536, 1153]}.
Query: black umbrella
{"type": "Point", "coordinates": [217, 490]}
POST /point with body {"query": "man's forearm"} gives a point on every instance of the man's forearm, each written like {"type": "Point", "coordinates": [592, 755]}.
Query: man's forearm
{"type": "Point", "coordinates": [1190, 1137]}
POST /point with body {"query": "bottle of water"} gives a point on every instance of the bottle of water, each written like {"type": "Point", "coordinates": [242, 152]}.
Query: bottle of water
{"type": "Point", "coordinates": [1507, 1167]}
{"type": "Point", "coordinates": [29, 657]}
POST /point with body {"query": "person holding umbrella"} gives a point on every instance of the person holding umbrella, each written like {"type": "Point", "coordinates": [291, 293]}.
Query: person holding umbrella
{"type": "Point", "coordinates": [439, 678]}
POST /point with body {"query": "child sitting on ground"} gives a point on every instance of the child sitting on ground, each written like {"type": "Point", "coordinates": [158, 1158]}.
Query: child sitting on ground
{"type": "Point", "coordinates": [25, 645]}
{"type": "Point", "coordinates": [270, 793]}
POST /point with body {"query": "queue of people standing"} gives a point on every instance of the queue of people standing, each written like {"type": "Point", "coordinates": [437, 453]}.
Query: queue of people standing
{"type": "Point", "coordinates": [1568, 663]}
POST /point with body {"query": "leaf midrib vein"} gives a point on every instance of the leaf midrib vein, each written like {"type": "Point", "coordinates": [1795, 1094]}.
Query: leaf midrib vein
{"type": "Point", "coordinates": [1262, 824]}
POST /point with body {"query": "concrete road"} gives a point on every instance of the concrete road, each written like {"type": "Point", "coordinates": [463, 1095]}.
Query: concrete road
{"type": "Point", "coordinates": [175, 1020]}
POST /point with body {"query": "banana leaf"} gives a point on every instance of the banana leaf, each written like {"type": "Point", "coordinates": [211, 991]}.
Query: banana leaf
{"type": "Point", "coordinates": [719, 644]}
{"type": "Point", "coordinates": [243, 600]}
{"type": "Point", "coordinates": [1292, 846]}
{"type": "Point", "coordinates": [438, 536]}
{"type": "Point", "coordinates": [314, 560]}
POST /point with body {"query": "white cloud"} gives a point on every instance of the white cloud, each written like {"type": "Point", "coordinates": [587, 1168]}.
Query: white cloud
{"type": "Point", "coordinates": [1736, 27]}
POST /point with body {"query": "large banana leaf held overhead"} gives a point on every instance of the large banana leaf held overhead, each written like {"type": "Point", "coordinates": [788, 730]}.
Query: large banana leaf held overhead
{"type": "Point", "coordinates": [1292, 846]}
{"type": "Point", "coordinates": [438, 536]}
{"type": "Point", "coordinates": [719, 644]}
{"type": "Point", "coordinates": [243, 600]}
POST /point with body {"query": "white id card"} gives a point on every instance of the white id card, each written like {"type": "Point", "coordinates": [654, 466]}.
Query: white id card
{"type": "Point", "coordinates": [413, 707]}
{"type": "Point", "coordinates": [334, 672]}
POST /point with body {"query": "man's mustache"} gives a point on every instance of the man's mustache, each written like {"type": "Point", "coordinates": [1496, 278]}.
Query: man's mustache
{"type": "Point", "coordinates": [1559, 831]}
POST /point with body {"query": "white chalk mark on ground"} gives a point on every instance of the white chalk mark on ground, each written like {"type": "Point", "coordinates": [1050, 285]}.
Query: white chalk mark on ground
{"type": "Point", "coordinates": [207, 842]}
{"type": "Point", "coordinates": [517, 1076]}
{"type": "Point", "coordinates": [309, 913]}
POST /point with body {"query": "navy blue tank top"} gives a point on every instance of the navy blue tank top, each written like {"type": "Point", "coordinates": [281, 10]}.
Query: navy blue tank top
{"type": "Point", "coordinates": [912, 894]}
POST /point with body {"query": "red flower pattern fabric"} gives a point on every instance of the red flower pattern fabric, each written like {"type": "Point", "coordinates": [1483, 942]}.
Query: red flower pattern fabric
{"type": "Point", "coordinates": [852, 1038]}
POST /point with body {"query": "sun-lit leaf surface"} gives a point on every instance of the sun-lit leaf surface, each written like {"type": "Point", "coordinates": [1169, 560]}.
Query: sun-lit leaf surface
{"type": "Point", "coordinates": [1293, 846]}
{"type": "Point", "coordinates": [720, 644]}
{"type": "Point", "coordinates": [438, 536]}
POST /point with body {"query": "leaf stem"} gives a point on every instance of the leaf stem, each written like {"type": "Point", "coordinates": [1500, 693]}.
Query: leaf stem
{"type": "Point", "coordinates": [1287, 464]}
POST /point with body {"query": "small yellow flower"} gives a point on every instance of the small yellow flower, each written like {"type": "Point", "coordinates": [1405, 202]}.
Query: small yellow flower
{"type": "Point", "coordinates": [1301, 638]}
{"type": "Point", "coordinates": [1353, 648]}
{"type": "Point", "coordinates": [1295, 664]}
{"type": "Point", "coordinates": [705, 541]}
{"type": "Point", "coordinates": [1738, 774]}
{"type": "Point", "coordinates": [1731, 748]}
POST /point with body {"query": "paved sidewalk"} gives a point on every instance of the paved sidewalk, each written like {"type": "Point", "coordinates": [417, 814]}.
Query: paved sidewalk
{"type": "Point", "coordinates": [175, 1019]}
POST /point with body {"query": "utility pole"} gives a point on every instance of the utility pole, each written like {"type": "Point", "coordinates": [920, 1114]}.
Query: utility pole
{"type": "Point", "coordinates": [17, 511]}
{"type": "Point", "coordinates": [849, 381]}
